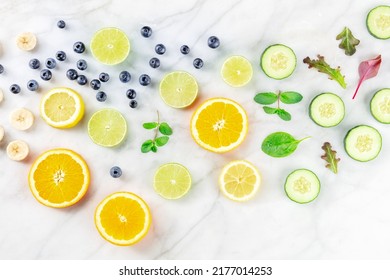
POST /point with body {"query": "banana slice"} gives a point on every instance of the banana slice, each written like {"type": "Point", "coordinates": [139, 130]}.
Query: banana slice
{"type": "Point", "coordinates": [18, 150]}
{"type": "Point", "coordinates": [1, 95]}
{"type": "Point", "coordinates": [22, 119]}
{"type": "Point", "coordinates": [26, 41]}
{"type": "Point", "coordinates": [1, 133]}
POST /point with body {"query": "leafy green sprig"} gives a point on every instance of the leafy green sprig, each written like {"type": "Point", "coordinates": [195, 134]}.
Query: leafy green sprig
{"type": "Point", "coordinates": [157, 141]}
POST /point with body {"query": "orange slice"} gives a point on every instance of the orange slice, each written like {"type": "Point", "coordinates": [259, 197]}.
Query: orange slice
{"type": "Point", "coordinates": [59, 178]}
{"type": "Point", "coordinates": [219, 125]}
{"type": "Point", "coordinates": [123, 218]}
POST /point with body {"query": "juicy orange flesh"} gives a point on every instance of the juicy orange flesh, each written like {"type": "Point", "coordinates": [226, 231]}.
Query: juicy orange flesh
{"type": "Point", "coordinates": [219, 124]}
{"type": "Point", "coordinates": [60, 106]}
{"type": "Point", "coordinates": [239, 180]}
{"type": "Point", "coordinates": [59, 178]}
{"type": "Point", "coordinates": [122, 218]}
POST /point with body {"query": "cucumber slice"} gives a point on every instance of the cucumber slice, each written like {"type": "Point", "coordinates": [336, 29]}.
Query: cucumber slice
{"type": "Point", "coordinates": [380, 106]}
{"type": "Point", "coordinates": [278, 61]}
{"type": "Point", "coordinates": [378, 22]}
{"type": "Point", "coordinates": [327, 109]}
{"type": "Point", "coordinates": [302, 186]}
{"type": "Point", "coordinates": [363, 143]}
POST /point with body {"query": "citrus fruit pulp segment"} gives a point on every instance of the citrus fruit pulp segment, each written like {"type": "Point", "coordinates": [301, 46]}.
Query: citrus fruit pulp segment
{"type": "Point", "coordinates": [219, 125]}
{"type": "Point", "coordinates": [239, 180]}
{"type": "Point", "coordinates": [122, 218]}
{"type": "Point", "coordinates": [59, 178]}
{"type": "Point", "coordinates": [236, 71]}
{"type": "Point", "coordinates": [110, 46]}
{"type": "Point", "coordinates": [172, 181]}
{"type": "Point", "coordinates": [62, 107]}
{"type": "Point", "coordinates": [107, 128]}
{"type": "Point", "coordinates": [178, 89]}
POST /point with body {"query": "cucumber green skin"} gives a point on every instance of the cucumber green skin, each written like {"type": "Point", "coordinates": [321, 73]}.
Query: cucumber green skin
{"type": "Point", "coordinates": [345, 143]}
{"type": "Point", "coordinates": [319, 189]}
{"type": "Point", "coordinates": [310, 115]}
{"type": "Point", "coordinates": [261, 61]}
{"type": "Point", "coordinates": [368, 27]}
{"type": "Point", "coordinates": [371, 107]}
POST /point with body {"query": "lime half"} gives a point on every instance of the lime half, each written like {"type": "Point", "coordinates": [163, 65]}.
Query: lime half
{"type": "Point", "coordinates": [236, 71]}
{"type": "Point", "coordinates": [178, 89]}
{"type": "Point", "coordinates": [110, 46]}
{"type": "Point", "coordinates": [107, 128]}
{"type": "Point", "coordinates": [172, 180]}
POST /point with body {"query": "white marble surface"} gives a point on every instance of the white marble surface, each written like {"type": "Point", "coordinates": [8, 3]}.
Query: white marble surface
{"type": "Point", "coordinates": [351, 217]}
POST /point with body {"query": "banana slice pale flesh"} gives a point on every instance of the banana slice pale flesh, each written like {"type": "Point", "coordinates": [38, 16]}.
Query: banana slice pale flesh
{"type": "Point", "coordinates": [22, 119]}
{"type": "Point", "coordinates": [17, 150]}
{"type": "Point", "coordinates": [26, 41]}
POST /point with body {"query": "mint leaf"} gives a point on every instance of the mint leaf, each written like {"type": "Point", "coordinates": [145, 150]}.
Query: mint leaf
{"type": "Point", "coordinates": [161, 141]}
{"type": "Point", "coordinates": [290, 97]}
{"type": "Point", "coordinates": [165, 129]}
{"type": "Point", "coordinates": [150, 125]}
{"type": "Point", "coordinates": [266, 98]}
{"type": "Point", "coordinates": [154, 148]}
{"type": "Point", "coordinates": [284, 115]}
{"type": "Point", "coordinates": [348, 41]}
{"type": "Point", "coordinates": [270, 110]}
{"type": "Point", "coordinates": [147, 146]}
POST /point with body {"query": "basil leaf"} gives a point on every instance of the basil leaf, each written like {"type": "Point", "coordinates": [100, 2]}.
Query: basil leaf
{"type": "Point", "coordinates": [284, 115]}
{"type": "Point", "coordinates": [280, 144]}
{"type": "Point", "coordinates": [150, 125]}
{"type": "Point", "coordinates": [147, 146]}
{"type": "Point", "coordinates": [266, 98]}
{"type": "Point", "coordinates": [165, 129]}
{"type": "Point", "coordinates": [290, 97]}
{"type": "Point", "coordinates": [270, 110]}
{"type": "Point", "coordinates": [161, 141]}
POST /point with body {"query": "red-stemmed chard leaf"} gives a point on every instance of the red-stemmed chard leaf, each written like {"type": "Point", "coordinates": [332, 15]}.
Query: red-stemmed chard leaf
{"type": "Point", "coordinates": [367, 70]}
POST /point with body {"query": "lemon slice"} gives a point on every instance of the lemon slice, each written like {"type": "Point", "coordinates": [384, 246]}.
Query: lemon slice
{"type": "Point", "coordinates": [172, 180]}
{"type": "Point", "coordinates": [178, 89]}
{"type": "Point", "coordinates": [110, 46]}
{"type": "Point", "coordinates": [239, 180]}
{"type": "Point", "coordinates": [236, 71]}
{"type": "Point", "coordinates": [62, 107]}
{"type": "Point", "coordinates": [107, 128]}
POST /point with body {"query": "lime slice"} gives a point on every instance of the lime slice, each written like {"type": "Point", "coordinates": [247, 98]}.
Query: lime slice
{"type": "Point", "coordinates": [110, 46]}
{"type": "Point", "coordinates": [178, 89]}
{"type": "Point", "coordinates": [236, 71]}
{"type": "Point", "coordinates": [107, 128]}
{"type": "Point", "coordinates": [172, 180]}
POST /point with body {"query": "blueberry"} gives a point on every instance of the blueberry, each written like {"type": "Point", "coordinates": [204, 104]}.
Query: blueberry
{"type": "Point", "coordinates": [61, 24]}
{"type": "Point", "coordinates": [154, 62]}
{"type": "Point", "coordinates": [146, 31]}
{"type": "Point", "coordinates": [95, 84]}
{"type": "Point", "coordinates": [79, 47]}
{"type": "Point", "coordinates": [124, 76]}
{"type": "Point", "coordinates": [46, 74]}
{"type": "Point", "coordinates": [82, 64]}
{"type": "Point", "coordinates": [1, 69]}
{"type": "Point", "coordinates": [104, 77]}
{"type": "Point", "coordinates": [116, 172]}
{"type": "Point", "coordinates": [144, 80]}
{"type": "Point", "coordinates": [101, 96]}
{"type": "Point", "coordinates": [50, 63]}
{"type": "Point", "coordinates": [15, 89]}
{"type": "Point", "coordinates": [82, 80]}
{"type": "Point", "coordinates": [198, 63]}
{"type": "Point", "coordinates": [32, 85]}
{"type": "Point", "coordinates": [34, 63]}
{"type": "Point", "coordinates": [131, 94]}
{"type": "Point", "coordinates": [160, 49]}
{"type": "Point", "coordinates": [213, 42]}
{"type": "Point", "coordinates": [185, 49]}
{"type": "Point", "coordinates": [133, 103]}
{"type": "Point", "coordinates": [71, 74]}
{"type": "Point", "coordinates": [60, 56]}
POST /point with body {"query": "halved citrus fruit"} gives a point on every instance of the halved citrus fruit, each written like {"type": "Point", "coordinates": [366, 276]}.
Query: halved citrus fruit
{"type": "Point", "coordinates": [172, 180]}
{"type": "Point", "coordinates": [239, 180]}
{"type": "Point", "coordinates": [110, 46]}
{"type": "Point", "coordinates": [59, 178]}
{"type": "Point", "coordinates": [62, 107]}
{"type": "Point", "coordinates": [236, 71]}
{"type": "Point", "coordinates": [219, 125]}
{"type": "Point", "coordinates": [107, 127]}
{"type": "Point", "coordinates": [123, 218]}
{"type": "Point", "coordinates": [178, 89]}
